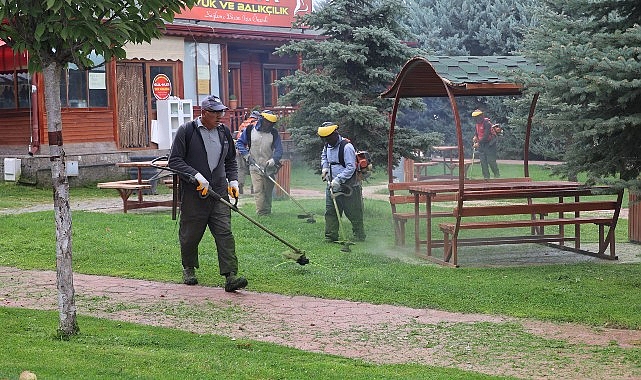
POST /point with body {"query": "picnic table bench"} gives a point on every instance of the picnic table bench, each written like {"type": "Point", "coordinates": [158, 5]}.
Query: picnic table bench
{"type": "Point", "coordinates": [450, 160]}
{"type": "Point", "coordinates": [399, 195]}
{"type": "Point", "coordinates": [531, 211]}
{"type": "Point", "coordinates": [126, 188]}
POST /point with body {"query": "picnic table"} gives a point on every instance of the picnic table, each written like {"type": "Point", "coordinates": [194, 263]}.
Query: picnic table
{"type": "Point", "coordinates": [449, 157]}
{"type": "Point", "coordinates": [126, 188]}
{"type": "Point", "coordinates": [533, 215]}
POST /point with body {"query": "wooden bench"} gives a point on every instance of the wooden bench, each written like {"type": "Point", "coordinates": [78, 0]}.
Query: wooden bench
{"type": "Point", "coordinates": [535, 216]}
{"type": "Point", "coordinates": [126, 188]}
{"type": "Point", "coordinates": [400, 217]}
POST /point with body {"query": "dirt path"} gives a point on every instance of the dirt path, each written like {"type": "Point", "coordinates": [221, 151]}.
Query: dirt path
{"type": "Point", "coordinates": [376, 333]}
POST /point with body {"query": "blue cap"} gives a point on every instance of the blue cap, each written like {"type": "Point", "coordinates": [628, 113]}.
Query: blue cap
{"type": "Point", "coordinates": [213, 103]}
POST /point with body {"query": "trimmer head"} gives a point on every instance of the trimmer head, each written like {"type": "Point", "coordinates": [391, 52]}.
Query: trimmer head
{"type": "Point", "coordinates": [302, 260]}
{"type": "Point", "coordinates": [309, 217]}
{"type": "Point", "coordinates": [298, 257]}
{"type": "Point", "coordinates": [345, 246]}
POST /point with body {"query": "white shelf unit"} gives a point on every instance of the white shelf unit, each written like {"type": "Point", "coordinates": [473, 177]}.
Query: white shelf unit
{"type": "Point", "coordinates": [171, 114]}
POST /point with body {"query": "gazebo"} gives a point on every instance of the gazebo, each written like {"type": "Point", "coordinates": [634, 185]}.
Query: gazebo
{"type": "Point", "coordinates": [453, 77]}
{"type": "Point", "coordinates": [457, 76]}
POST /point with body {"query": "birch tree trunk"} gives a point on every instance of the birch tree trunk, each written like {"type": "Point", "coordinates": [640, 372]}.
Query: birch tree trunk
{"type": "Point", "coordinates": [64, 272]}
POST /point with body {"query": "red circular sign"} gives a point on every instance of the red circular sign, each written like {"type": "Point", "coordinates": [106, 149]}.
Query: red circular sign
{"type": "Point", "coordinates": [161, 87]}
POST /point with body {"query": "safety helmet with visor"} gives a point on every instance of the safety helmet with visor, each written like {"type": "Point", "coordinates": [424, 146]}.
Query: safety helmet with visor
{"type": "Point", "coordinates": [326, 129]}
{"type": "Point", "coordinates": [267, 120]}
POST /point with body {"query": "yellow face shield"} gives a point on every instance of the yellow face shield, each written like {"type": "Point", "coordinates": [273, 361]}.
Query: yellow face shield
{"type": "Point", "coordinates": [326, 130]}
{"type": "Point", "coordinates": [269, 117]}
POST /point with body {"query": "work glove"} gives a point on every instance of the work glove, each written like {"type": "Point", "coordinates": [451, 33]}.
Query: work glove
{"type": "Point", "coordinates": [203, 184]}
{"type": "Point", "coordinates": [335, 185]}
{"type": "Point", "coordinates": [324, 174]}
{"type": "Point", "coordinates": [249, 159]}
{"type": "Point", "coordinates": [270, 163]}
{"type": "Point", "coordinates": [232, 189]}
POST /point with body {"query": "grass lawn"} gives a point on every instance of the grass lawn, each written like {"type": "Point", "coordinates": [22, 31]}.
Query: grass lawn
{"type": "Point", "coordinates": [145, 246]}
{"type": "Point", "coordinates": [114, 350]}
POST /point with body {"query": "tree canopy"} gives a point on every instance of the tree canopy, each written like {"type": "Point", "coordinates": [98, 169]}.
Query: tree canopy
{"type": "Point", "coordinates": [469, 27]}
{"type": "Point", "coordinates": [361, 51]}
{"type": "Point", "coordinates": [590, 88]}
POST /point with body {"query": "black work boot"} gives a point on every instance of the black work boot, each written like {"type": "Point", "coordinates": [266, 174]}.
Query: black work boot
{"type": "Point", "coordinates": [189, 276]}
{"type": "Point", "coordinates": [234, 283]}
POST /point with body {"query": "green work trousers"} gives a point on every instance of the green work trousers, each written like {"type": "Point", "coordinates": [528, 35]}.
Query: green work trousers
{"type": "Point", "coordinates": [352, 206]}
{"type": "Point", "coordinates": [487, 156]}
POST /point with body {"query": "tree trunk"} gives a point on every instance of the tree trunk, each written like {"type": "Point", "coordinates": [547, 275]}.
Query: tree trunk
{"type": "Point", "coordinates": [64, 272]}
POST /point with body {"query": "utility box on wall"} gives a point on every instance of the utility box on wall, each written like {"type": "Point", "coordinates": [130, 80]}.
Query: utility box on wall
{"type": "Point", "coordinates": [12, 169]}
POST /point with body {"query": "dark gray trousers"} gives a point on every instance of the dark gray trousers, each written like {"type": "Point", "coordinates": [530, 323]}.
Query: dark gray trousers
{"type": "Point", "coordinates": [195, 215]}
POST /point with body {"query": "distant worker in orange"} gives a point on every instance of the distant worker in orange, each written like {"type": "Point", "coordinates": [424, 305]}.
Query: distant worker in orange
{"type": "Point", "coordinates": [485, 138]}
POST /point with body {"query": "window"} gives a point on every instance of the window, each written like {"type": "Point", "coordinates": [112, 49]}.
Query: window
{"type": "Point", "coordinates": [159, 68]}
{"type": "Point", "coordinates": [202, 71]}
{"type": "Point", "coordinates": [84, 88]}
{"type": "Point", "coordinates": [15, 90]}
{"type": "Point", "coordinates": [234, 80]}
{"type": "Point", "coordinates": [272, 73]}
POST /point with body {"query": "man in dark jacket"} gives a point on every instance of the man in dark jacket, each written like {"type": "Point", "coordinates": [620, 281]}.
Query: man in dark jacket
{"type": "Point", "coordinates": [204, 148]}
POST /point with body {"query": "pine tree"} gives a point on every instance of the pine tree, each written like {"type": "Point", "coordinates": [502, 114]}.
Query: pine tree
{"type": "Point", "coordinates": [590, 88]}
{"type": "Point", "coordinates": [469, 27]}
{"type": "Point", "coordinates": [344, 74]}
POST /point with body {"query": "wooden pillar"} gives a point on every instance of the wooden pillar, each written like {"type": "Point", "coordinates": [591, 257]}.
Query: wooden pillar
{"type": "Point", "coordinates": [634, 218]}
{"type": "Point", "coordinates": [283, 179]}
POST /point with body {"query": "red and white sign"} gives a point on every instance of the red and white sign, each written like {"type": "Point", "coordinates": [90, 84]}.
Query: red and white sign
{"type": "Point", "coordinates": [280, 13]}
{"type": "Point", "coordinates": [161, 87]}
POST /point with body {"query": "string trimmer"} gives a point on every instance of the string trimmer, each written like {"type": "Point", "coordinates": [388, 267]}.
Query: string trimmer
{"type": "Point", "coordinates": [307, 215]}
{"type": "Point", "coordinates": [469, 172]}
{"type": "Point", "coordinates": [344, 241]}
{"type": "Point", "coordinates": [297, 255]}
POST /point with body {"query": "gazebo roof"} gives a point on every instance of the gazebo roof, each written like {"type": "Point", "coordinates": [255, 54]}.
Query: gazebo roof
{"type": "Point", "coordinates": [464, 75]}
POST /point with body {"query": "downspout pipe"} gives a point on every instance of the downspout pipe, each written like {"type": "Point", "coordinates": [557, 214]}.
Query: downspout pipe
{"type": "Point", "coordinates": [34, 145]}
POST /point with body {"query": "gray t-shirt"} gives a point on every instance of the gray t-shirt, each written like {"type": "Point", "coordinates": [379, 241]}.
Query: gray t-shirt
{"type": "Point", "coordinates": [212, 144]}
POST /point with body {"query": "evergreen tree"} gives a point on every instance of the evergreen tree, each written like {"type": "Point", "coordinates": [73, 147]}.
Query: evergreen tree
{"type": "Point", "coordinates": [590, 88]}
{"type": "Point", "coordinates": [343, 75]}
{"type": "Point", "coordinates": [469, 27]}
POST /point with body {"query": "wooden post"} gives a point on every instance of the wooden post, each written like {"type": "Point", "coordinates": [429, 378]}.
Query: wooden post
{"type": "Point", "coordinates": [283, 178]}
{"type": "Point", "coordinates": [408, 170]}
{"type": "Point", "coordinates": [634, 218]}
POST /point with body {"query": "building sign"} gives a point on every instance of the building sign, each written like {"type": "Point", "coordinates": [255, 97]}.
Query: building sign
{"type": "Point", "coordinates": [249, 12]}
{"type": "Point", "coordinates": [161, 87]}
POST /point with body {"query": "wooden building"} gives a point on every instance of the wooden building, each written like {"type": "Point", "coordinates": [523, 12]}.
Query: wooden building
{"type": "Point", "coordinates": [112, 108]}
